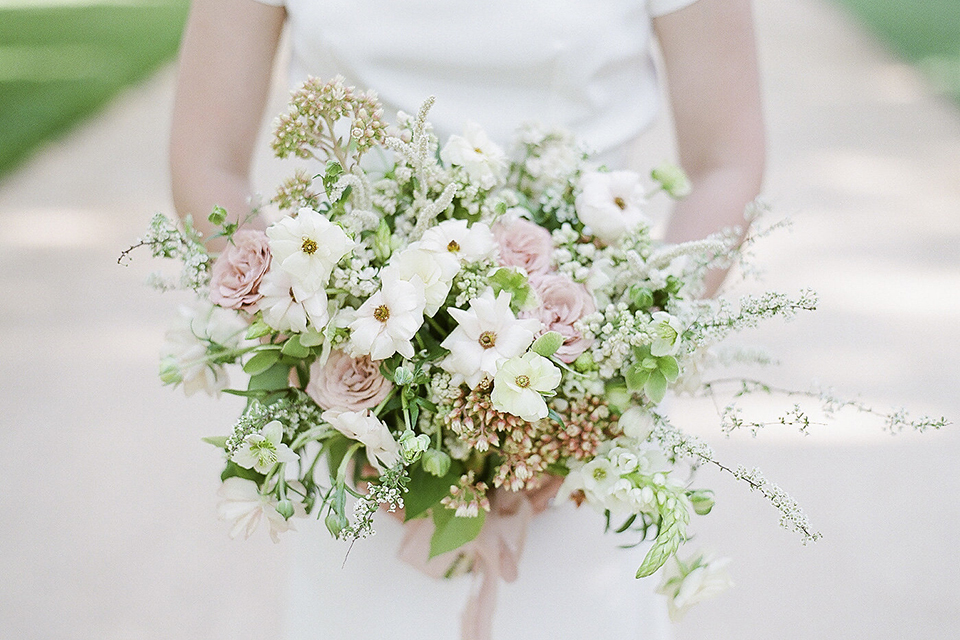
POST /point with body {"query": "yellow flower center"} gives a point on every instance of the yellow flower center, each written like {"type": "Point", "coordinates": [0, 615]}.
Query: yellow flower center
{"type": "Point", "coordinates": [522, 381]}
{"type": "Point", "coordinates": [620, 202]}
{"type": "Point", "coordinates": [487, 339]}
{"type": "Point", "coordinates": [453, 246]}
{"type": "Point", "coordinates": [381, 313]}
{"type": "Point", "coordinates": [309, 246]}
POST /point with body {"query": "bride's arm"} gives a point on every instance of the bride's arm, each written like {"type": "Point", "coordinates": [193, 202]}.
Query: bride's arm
{"type": "Point", "coordinates": [226, 59]}
{"type": "Point", "coordinates": [710, 61]}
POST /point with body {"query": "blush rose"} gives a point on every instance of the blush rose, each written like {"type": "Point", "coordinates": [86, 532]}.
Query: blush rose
{"type": "Point", "coordinates": [236, 275]}
{"type": "Point", "coordinates": [562, 303]}
{"type": "Point", "coordinates": [524, 244]}
{"type": "Point", "coordinates": [348, 384]}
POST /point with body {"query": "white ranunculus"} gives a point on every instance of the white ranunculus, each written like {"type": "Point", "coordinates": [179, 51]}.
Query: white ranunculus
{"type": "Point", "coordinates": [308, 247]}
{"type": "Point", "coordinates": [636, 423]}
{"type": "Point", "coordinates": [261, 451]}
{"type": "Point", "coordinates": [288, 307]}
{"type": "Point", "coordinates": [487, 335]}
{"type": "Point", "coordinates": [363, 426]}
{"type": "Point", "coordinates": [519, 384]}
{"type": "Point", "coordinates": [435, 270]}
{"type": "Point", "coordinates": [185, 356]}
{"type": "Point", "coordinates": [666, 330]}
{"type": "Point", "coordinates": [243, 504]}
{"type": "Point", "coordinates": [482, 159]}
{"type": "Point", "coordinates": [466, 243]}
{"type": "Point", "coordinates": [387, 321]}
{"type": "Point", "coordinates": [611, 203]}
{"type": "Point", "coordinates": [688, 582]}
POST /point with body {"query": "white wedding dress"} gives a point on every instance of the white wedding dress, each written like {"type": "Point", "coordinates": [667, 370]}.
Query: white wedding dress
{"type": "Point", "coordinates": [585, 65]}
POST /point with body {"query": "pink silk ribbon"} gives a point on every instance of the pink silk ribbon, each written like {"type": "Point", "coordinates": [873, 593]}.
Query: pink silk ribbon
{"type": "Point", "coordinates": [493, 555]}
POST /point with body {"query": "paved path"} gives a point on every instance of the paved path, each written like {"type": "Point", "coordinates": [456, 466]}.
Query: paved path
{"type": "Point", "coordinates": [108, 496]}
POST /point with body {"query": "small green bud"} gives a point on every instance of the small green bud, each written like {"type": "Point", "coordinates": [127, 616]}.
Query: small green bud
{"type": "Point", "coordinates": [285, 508]}
{"type": "Point", "coordinates": [584, 362]}
{"type": "Point", "coordinates": [702, 501]}
{"type": "Point", "coordinates": [336, 522]}
{"type": "Point", "coordinates": [618, 396]}
{"type": "Point", "coordinates": [436, 462]}
{"type": "Point", "coordinates": [403, 376]}
{"type": "Point", "coordinates": [218, 216]}
{"type": "Point", "coordinates": [170, 371]}
{"type": "Point", "coordinates": [412, 445]}
{"type": "Point", "coordinates": [641, 297]}
{"type": "Point", "coordinates": [382, 241]}
{"type": "Point", "coordinates": [257, 329]}
{"type": "Point", "coordinates": [547, 344]}
{"type": "Point", "coordinates": [673, 180]}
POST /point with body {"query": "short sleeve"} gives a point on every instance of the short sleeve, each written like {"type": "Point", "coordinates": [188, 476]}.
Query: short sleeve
{"type": "Point", "coordinates": [663, 7]}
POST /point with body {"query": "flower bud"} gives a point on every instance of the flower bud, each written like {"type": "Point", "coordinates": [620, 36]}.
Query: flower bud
{"type": "Point", "coordinates": [636, 423]}
{"type": "Point", "coordinates": [403, 376]}
{"type": "Point", "coordinates": [547, 344]}
{"type": "Point", "coordinates": [702, 501]}
{"type": "Point", "coordinates": [436, 462]}
{"type": "Point", "coordinates": [336, 522]}
{"type": "Point", "coordinates": [412, 445]}
{"type": "Point", "coordinates": [382, 245]}
{"type": "Point", "coordinates": [641, 297]}
{"type": "Point", "coordinates": [584, 362]}
{"type": "Point", "coordinates": [170, 371]}
{"type": "Point", "coordinates": [285, 508]}
{"type": "Point", "coordinates": [218, 216]}
{"type": "Point", "coordinates": [673, 180]}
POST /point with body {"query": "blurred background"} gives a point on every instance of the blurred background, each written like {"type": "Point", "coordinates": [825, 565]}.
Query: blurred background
{"type": "Point", "coordinates": [108, 495]}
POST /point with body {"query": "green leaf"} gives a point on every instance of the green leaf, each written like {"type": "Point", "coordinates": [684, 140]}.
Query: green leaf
{"type": "Point", "coordinates": [294, 349]}
{"type": "Point", "coordinates": [556, 417]}
{"type": "Point", "coordinates": [217, 441]}
{"type": "Point", "coordinates": [426, 490]}
{"type": "Point", "coordinates": [668, 367]}
{"type": "Point", "coordinates": [656, 386]}
{"type": "Point", "coordinates": [261, 361]}
{"type": "Point", "coordinates": [276, 378]}
{"type": "Point", "coordinates": [637, 377]}
{"type": "Point", "coordinates": [452, 532]}
{"type": "Point", "coordinates": [336, 448]}
{"type": "Point", "coordinates": [233, 470]}
{"type": "Point", "coordinates": [217, 216]}
{"type": "Point", "coordinates": [258, 329]}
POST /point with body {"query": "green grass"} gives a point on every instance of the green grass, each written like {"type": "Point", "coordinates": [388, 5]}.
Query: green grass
{"type": "Point", "coordinates": [59, 64]}
{"type": "Point", "coordinates": [925, 32]}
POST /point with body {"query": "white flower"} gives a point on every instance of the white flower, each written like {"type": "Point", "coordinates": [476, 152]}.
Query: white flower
{"type": "Point", "coordinates": [242, 502]}
{"type": "Point", "coordinates": [363, 426]}
{"type": "Point", "coordinates": [689, 582]}
{"type": "Point", "coordinates": [287, 306]}
{"type": "Point", "coordinates": [185, 357]}
{"type": "Point", "coordinates": [261, 451]}
{"type": "Point", "coordinates": [610, 203]}
{"type": "Point", "coordinates": [308, 247]}
{"type": "Point", "coordinates": [518, 385]}
{"type": "Point", "coordinates": [388, 320]}
{"type": "Point", "coordinates": [636, 423]}
{"type": "Point", "coordinates": [667, 330]}
{"type": "Point", "coordinates": [435, 270]}
{"type": "Point", "coordinates": [481, 158]}
{"type": "Point", "coordinates": [466, 243]}
{"type": "Point", "coordinates": [486, 335]}
{"type": "Point", "coordinates": [599, 477]}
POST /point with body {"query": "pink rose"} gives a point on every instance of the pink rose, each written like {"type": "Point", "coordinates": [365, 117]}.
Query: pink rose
{"type": "Point", "coordinates": [348, 384]}
{"type": "Point", "coordinates": [235, 279]}
{"type": "Point", "coordinates": [524, 244]}
{"type": "Point", "coordinates": [562, 303]}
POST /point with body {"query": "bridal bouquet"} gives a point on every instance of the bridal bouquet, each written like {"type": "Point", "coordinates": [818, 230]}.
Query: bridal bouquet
{"type": "Point", "coordinates": [456, 334]}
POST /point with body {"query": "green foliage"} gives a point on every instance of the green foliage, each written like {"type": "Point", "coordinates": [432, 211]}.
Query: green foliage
{"type": "Point", "coordinates": [428, 490]}
{"type": "Point", "coordinates": [63, 62]}
{"type": "Point", "coordinates": [452, 532]}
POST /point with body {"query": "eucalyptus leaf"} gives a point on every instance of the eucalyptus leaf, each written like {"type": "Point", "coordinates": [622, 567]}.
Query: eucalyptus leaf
{"type": "Point", "coordinates": [276, 378]}
{"type": "Point", "coordinates": [294, 348]}
{"type": "Point", "coordinates": [261, 361]}
{"type": "Point", "coordinates": [451, 532]}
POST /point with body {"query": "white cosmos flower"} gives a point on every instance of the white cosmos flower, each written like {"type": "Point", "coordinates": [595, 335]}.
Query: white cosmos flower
{"type": "Point", "coordinates": [363, 426]}
{"type": "Point", "coordinates": [667, 330]}
{"type": "Point", "coordinates": [610, 203]}
{"type": "Point", "coordinates": [435, 270]}
{"type": "Point", "coordinates": [242, 503]}
{"type": "Point", "coordinates": [486, 336]}
{"type": "Point", "coordinates": [466, 243]}
{"type": "Point", "coordinates": [388, 320]}
{"type": "Point", "coordinates": [308, 247]}
{"type": "Point", "coordinates": [482, 159]}
{"type": "Point", "coordinates": [185, 357]}
{"type": "Point", "coordinates": [518, 385]}
{"type": "Point", "coordinates": [261, 451]}
{"type": "Point", "coordinates": [688, 582]}
{"type": "Point", "coordinates": [287, 306]}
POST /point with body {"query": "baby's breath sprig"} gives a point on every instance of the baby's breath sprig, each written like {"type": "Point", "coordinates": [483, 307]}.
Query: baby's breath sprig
{"type": "Point", "coordinates": [166, 240]}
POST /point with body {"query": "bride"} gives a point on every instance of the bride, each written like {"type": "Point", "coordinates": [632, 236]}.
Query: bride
{"type": "Point", "coordinates": [583, 65]}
